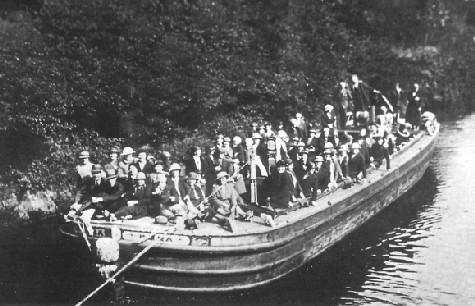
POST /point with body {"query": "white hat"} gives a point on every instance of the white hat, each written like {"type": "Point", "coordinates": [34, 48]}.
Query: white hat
{"type": "Point", "coordinates": [174, 167]}
{"type": "Point", "coordinates": [221, 175]}
{"type": "Point", "coordinates": [84, 154]}
{"type": "Point", "coordinates": [355, 145]}
{"type": "Point", "coordinates": [127, 151]}
{"type": "Point", "coordinates": [318, 158]}
{"type": "Point", "coordinates": [328, 145]}
{"type": "Point", "coordinates": [328, 107]}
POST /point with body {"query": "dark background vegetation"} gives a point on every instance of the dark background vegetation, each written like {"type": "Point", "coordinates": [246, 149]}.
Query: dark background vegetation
{"type": "Point", "coordinates": [89, 74]}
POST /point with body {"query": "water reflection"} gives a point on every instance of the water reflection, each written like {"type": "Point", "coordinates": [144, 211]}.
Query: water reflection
{"type": "Point", "coordinates": [420, 250]}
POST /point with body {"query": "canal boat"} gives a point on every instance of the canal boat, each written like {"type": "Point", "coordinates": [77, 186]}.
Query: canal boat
{"type": "Point", "coordinates": [212, 259]}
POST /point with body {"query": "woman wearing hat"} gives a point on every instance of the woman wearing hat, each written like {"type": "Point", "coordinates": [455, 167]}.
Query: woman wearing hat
{"type": "Point", "coordinates": [174, 195]}
{"type": "Point", "coordinates": [113, 158]}
{"type": "Point", "coordinates": [280, 186]}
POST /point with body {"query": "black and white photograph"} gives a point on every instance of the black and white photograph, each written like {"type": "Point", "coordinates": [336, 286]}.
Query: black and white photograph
{"type": "Point", "coordinates": [237, 152]}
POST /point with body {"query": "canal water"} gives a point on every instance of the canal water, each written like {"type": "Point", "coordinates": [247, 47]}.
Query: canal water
{"type": "Point", "coordinates": [420, 250]}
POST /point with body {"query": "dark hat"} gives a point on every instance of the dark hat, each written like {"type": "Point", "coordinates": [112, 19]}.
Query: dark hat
{"type": "Point", "coordinates": [96, 169]}
{"type": "Point", "coordinates": [289, 162]}
{"type": "Point", "coordinates": [280, 163]}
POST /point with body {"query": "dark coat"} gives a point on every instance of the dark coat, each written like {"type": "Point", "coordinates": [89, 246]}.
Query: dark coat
{"type": "Point", "coordinates": [310, 186]}
{"type": "Point", "coordinates": [379, 152]}
{"type": "Point", "coordinates": [171, 191]}
{"type": "Point", "coordinates": [357, 165]}
{"type": "Point", "coordinates": [191, 165]}
{"type": "Point", "coordinates": [147, 168]}
{"type": "Point", "coordinates": [112, 195]}
{"type": "Point", "coordinates": [413, 114]}
{"type": "Point", "coordinates": [281, 188]}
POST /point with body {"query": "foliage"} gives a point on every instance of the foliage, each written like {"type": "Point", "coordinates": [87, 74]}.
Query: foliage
{"type": "Point", "coordinates": [90, 74]}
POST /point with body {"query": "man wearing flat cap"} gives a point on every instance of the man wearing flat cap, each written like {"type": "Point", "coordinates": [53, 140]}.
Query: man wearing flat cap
{"type": "Point", "coordinates": [84, 169]}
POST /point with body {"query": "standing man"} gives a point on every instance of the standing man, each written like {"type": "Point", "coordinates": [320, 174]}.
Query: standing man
{"type": "Point", "coordinates": [399, 102]}
{"type": "Point", "coordinates": [414, 107]}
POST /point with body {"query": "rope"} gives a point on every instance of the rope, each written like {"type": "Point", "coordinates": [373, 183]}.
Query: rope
{"type": "Point", "coordinates": [84, 235]}
{"type": "Point", "coordinates": [121, 270]}
{"type": "Point", "coordinates": [141, 253]}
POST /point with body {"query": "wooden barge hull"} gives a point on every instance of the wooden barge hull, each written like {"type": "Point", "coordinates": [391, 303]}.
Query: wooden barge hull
{"type": "Point", "coordinates": [192, 262]}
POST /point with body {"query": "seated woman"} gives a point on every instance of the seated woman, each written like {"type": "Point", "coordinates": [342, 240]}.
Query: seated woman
{"type": "Point", "coordinates": [224, 202]}
{"type": "Point", "coordinates": [172, 199]}
{"type": "Point", "coordinates": [280, 187]}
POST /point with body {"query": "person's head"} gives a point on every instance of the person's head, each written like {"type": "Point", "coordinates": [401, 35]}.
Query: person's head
{"type": "Point", "coordinates": [313, 167]}
{"type": "Point", "coordinates": [209, 151]}
{"type": "Point", "coordinates": [355, 147]}
{"type": "Point", "coordinates": [97, 172]}
{"type": "Point", "coordinates": [328, 154]}
{"type": "Point", "coordinates": [158, 166]}
{"type": "Point", "coordinates": [262, 130]}
{"type": "Point", "coordinates": [114, 153]}
{"type": "Point", "coordinates": [83, 157]}
{"type": "Point", "coordinates": [289, 164]}
{"type": "Point", "coordinates": [227, 141]}
{"type": "Point", "coordinates": [318, 162]}
{"type": "Point", "coordinates": [300, 146]}
{"type": "Point", "coordinates": [142, 156]}
{"type": "Point", "coordinates": [354, 78]}
{"type": "Point", "coordinates": [313, 133]}
{"type": "Point", "coordinates": [256, 138]}
{"type": "Point", "coordinates": [221, 178]}
{"type": "Point", "coordinates": [174, 170]}
{"type": "Point", "coordinates": [195, 151]}
{"type": "Point", "coordinates": [379, 140]}
{"type": "Point", "coordinates": [304, 156]}
{"type": "Point", "coordinates": [236, 140]}
{"type": "Point", "coordinates": [343, 150]}
{"type": "Point", "coordinates": [140, 179]}
{"type": "Point", "coordinates": [127, 154]}
{"type": "Point", "coordinates": [268, 126]}
{"type": "Point", "coordinates": [299, 116]}
{"type": "Point", "coordinates": [280, 166]}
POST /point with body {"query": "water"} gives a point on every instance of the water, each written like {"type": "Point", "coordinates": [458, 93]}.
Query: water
{"type": "Point", "coordinates": [418, 251]}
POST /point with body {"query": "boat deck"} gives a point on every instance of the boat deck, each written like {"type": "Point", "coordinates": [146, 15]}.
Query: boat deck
{"type": "Point", "coordinates": [257, 225]}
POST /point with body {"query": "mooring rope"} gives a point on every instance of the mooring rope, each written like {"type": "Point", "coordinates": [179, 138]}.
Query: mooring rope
{"type": "Point", "coordinates": [141, 253]}
{"type": "Point", "coordinates": [125, 267]}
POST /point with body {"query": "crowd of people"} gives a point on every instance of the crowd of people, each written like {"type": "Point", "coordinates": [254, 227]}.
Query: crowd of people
{"type": "Point", "coordinates": [269, 166]}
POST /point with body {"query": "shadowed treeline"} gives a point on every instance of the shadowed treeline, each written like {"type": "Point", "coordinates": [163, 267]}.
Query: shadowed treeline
{"type": "Point", "coordinates": [88, 74]}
